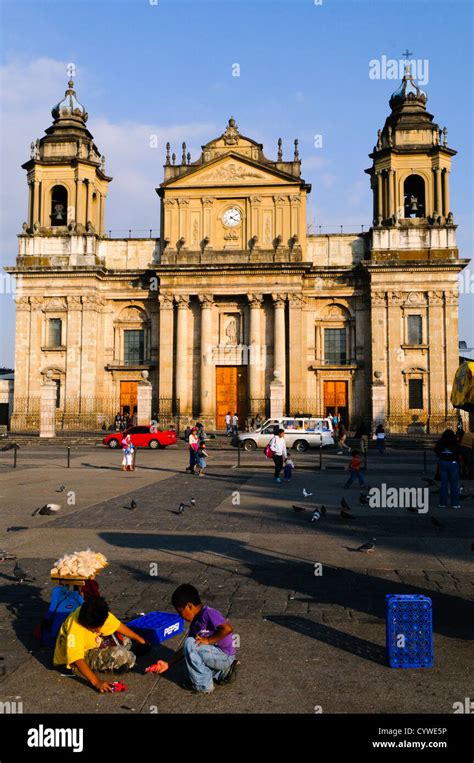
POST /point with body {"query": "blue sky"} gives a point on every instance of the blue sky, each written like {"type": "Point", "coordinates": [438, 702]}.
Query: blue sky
{"type": "Point", "coordinates": [165, 69]}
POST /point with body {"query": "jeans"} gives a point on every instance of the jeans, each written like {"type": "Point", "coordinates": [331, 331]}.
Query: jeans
{"type": "Point", "coordinates": [380, 445]}
{"type": "Point", "coordinates": [205, 663]}
{"type": "Point", "coordinates": [228, 429]}
{"type": "Point", "coordinates": [278, 461]}
{"type": "Point", "coordinates": [192, 459]}
{"type": "Point", "coordinates": [353, 474]}
{"type": "Point", "coordinates": [449, 473]}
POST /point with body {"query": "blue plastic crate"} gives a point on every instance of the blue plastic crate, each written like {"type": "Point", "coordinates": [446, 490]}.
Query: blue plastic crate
{"type": "Point", "coordinates": [411, 617]}
{"type": "Point", "coordinates": [157, 626]}
{"type": "Point", "coordinates": [63, 604]}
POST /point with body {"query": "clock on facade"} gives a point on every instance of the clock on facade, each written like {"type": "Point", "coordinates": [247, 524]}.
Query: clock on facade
{"type": "Point", "coordinates": [232, 217]}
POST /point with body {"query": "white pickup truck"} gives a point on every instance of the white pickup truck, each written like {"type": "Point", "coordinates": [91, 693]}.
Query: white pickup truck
{"type": "Point", "coordinates": [300, 433]}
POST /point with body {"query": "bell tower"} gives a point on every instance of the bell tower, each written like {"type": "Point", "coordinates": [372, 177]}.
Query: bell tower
{"type": "Point", "coordinates": [412, 217]}
{"type": "Point", "coordinates": [66, 175]}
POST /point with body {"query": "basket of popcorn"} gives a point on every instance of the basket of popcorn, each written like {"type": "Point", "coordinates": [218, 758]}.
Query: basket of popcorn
{"type": "Point", "coordinates": [74, 569]}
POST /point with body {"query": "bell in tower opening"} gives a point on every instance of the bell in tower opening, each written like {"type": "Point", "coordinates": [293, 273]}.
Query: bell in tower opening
{"type": "Point", "coordinates": [414, 196]}
{"type": "Point", "coordinates": [58, 205]}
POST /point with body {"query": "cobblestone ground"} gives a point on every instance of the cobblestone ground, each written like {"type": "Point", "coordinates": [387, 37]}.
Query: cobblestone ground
{"type": "Point", "coordinates": [307, 640]}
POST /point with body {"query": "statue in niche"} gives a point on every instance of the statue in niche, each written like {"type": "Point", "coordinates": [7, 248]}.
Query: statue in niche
{"type": "Point", "coordinates": [231, 331]}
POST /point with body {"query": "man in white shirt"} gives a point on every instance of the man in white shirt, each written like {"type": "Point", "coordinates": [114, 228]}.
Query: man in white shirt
{"type": "Point", "coordinates": [228, 422]}
{"type": "Point", "coordinates": [278, 447]}
{"type": "Point", "coordinates": [235, 424]}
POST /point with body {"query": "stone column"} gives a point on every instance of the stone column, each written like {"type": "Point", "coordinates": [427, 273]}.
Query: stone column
{"type": "Point", "coordinates": [102, 198]}
{"type": "Point", "coordinates": [30, 203]}
{"type": "Point", "coordinates": [439, 197]}
{"type": "Point", "coordinates": [438, 341]}
{"type": "Point", "coordinates": [91, 306]}
{"type": "Point", "coordinates": [391, 207]}
{"type": "Point", "coordinates": [379, 216]}
{"type": "Point", "coordinates": [379, 400]}
{"type": "Point", "coordinates": [296, 370]}
{"type": "Point", "coordinates": [166, 346]}
{"type": "Point", "coordinates": [255, 359]}
{"type": "Point", "coordinates": [144, 412]}
{"type": "Point", "coordinates": [48, 407]}
{"type": "Point", "coordinates": [36, 209]}
{"type": "Point", "coordinates": [279, 342]}
{"type": "Point", "coordinates": [277, 397]}
{"type": "Point", "coordinates": [207, 367]}
{"type": "Point", "coordinates": [182, 381]}
{"type": "Point", "coordinates": [447, 203]}
{"type": "Point", "coordinates": [73, 348]}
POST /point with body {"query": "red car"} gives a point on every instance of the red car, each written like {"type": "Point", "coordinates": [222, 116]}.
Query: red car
{"type": "Point", "coordinates": [142, 437]}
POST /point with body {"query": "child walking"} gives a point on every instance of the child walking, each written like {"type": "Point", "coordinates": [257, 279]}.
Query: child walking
{"type": "Point", "coordinates": [201, 455]}
{"type": "Point", "coordinates": [355, 471]}
{"type": "Point", "coordinates": [128, 451]}
{"type": "Point", "coordinates": [288, 470]}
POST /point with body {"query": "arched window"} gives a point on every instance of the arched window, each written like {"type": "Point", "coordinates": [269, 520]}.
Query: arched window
{"type": "Point", "coordinates": [58, 205]}
{"type": "Point", "coordinates": [414, 196]}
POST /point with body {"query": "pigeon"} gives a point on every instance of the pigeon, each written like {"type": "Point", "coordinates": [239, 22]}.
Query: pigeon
{"type": "Point", "coordinates": [431, 483]}
{"type": "Point", "coordinates": [133, 504]}
{"type": "Point", "coordinates": [5, 555]}
{"type": "Point", "coordinates": [346, 515]}
{"type": "Point", "coordinates": [344, 504]}
{"type": "Point", "coordinates": [323, 510]}
{"type": "Point", "coordinates": [316, 515]}
{"type": "Point", "coordinates": [10, 446]}
{"type": "Point", "coordinates": [48, 509]}
{"type": "Point", "coordinates": [299, 508]}
{"type": "Point", "coordinates": [306, 494]}
{"type": "Point", "coordinates": [193, 501]}
{"type": "Point", "coordinates": [368, 547]}
{"type": "Point", "coordinates": [20, 573]}
{"type": "Point", "coordinates": [61, 488]}
{"type": "Point", "coordinates": [436, 522]}
{"type": "Point", "coordinates": [181, 508]}
{"type": "Point", "coordinates": [364, 499]}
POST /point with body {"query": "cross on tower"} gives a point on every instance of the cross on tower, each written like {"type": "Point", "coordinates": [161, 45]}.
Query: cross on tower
{"type": "Point", "coordinates": [407, 54]}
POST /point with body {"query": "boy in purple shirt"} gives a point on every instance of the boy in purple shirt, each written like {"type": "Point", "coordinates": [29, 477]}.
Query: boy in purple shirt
{"type": "Point", "coordinates": [208, 650]}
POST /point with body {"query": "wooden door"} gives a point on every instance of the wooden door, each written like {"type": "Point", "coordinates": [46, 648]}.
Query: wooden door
{"type": "Point", "coordinates": [335, 399]}
{"type": "Point", "coordinates": [128, 397]}
{"type": "Point", "coordinates": [231, 393]}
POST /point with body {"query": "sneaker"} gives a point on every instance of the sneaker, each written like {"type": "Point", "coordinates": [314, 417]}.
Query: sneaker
{"type": "Point", "coordinates": [278, 479]}
{"type": "Point", "coordinates": [455, 507]}
{"type": "Point", "coordinates": [230, 676]}
{"type": "Point", "coordinates": [440, 506]}
{"type": "Point", "coordinates": [188, 686]}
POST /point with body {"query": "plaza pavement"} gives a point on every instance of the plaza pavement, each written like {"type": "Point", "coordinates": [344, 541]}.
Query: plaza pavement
{"type": "Point", "coordinates": [307, 643]}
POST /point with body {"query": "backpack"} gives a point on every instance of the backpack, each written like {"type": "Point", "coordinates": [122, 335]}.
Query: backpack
{"type": "Point", "coordinates": [268, 450]}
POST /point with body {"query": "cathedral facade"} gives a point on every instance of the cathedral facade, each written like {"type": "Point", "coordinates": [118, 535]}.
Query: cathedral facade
{"type": "Point", "coordinates": [235, 292]}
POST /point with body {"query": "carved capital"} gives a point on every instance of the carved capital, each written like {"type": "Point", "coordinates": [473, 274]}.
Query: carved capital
{"type": "Point", "coordinates": [280, 199]}
{"type": "Point", "coordinates": [36, 303]}
{"type": "Point", "coordinates": [74, 303]}
{"type": "Point", "coordinates": [166, 301]}
{"type": "Point", "coordinates": [395, 297]}
{"type": "Point", "coordinates": [255, 199]}
{"type": "Point", "coordinates": [377, 298]}
{"type": "Point", "coordinates": [279, 300]}
{"type": "Point", "coordinates": [92, 302]}
{"type": "Point", "coordinates": [255, 300]}
{"type": "Point", "coordinates": [168, 202]}
{"type": "Point", "coordinates": [451, 297]}
{"type": "Point", "coordinates": [183, 302]}
{"type": "Point", "coordinates": [206, 300]}
{"type": "Point", "coordinates": [296, 300]}
{"type": "Point", "coordinates": [22, 303]}
{"type": "Point", "coordinates": [436, 297]}
{"type": "Point", "coordinates": [182, 202]}
{"type": "Point", "coordinates": [295, 199]}
{"type": "Point", "coordinates": [207, 201]}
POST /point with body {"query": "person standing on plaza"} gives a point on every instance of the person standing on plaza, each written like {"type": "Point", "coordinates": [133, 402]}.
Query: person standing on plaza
{"type": "Point", "coordinates": [193, 444]}
{"type": "Point", "coordinates": [228, 424]}
{"type": "Point", "coordinates": [342, 437]}
{"type": "Point", "coordinates": [235, 424]}
{"type": "Point", "coordinates": [362, 434]}
{"type": "Point", "coordinates": [448, 451]}
{"type": "Point", "coordinates": [279, 453]}
{"type": "Point", "coordinates": [258, 421]}
{"type": "Point", "coordinates": [288, 470]}
{"type": "Point", "coordinates": [201, 434]}
{"type": "Point", "coordinates": [127, 451]}
{"type": "Point", "coordinates": [380, 437]}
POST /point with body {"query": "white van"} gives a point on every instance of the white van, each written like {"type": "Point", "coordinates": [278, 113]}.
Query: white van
{"type": "Point", "coordinates": [301, 433]}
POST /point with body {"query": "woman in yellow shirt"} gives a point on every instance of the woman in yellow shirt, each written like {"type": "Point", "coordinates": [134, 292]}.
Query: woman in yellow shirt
{"type": "Point", "coordinates": [79, 641]}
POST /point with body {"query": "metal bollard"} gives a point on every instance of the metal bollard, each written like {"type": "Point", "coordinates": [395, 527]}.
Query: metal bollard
{"type": "Point", "coordinates": [68, 457]}
{"type": "Point", "coordinates": [238, 454]}
{"type": "Point", "coordinates": [365, 459]}
{"type": "Point", "coordinates": [424, 460]}
{"type": "Point", "coordinates": [15, 451]}
{"type": "Point", "coordinates": [321, 457]}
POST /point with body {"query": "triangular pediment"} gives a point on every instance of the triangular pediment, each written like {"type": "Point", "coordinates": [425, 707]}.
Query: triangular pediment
{"type": "Point", "coordinates": [231, 169]}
